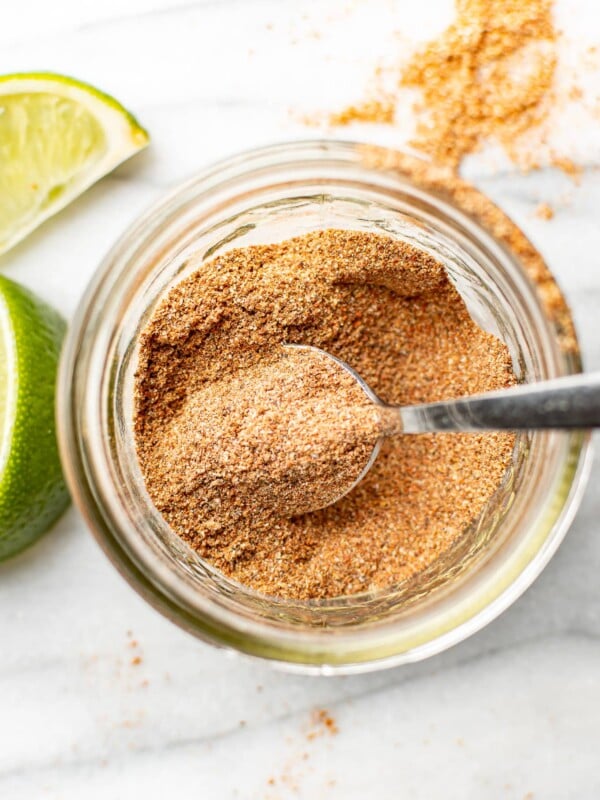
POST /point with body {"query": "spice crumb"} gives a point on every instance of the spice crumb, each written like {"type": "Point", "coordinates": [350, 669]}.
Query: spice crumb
{"type": "Point", "coordinates": [136, 660]}
{"type": "Point", "coordinates": [568, 166]}
{"type": "Point", "coordinates": [375, 111]}
{"type": "Point", "coordinates": [544, 211]}
{"type": "Point", "coordinates": [323, 722]}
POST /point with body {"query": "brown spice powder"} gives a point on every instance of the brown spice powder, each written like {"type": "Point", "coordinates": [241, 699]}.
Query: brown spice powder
{"type": "Point", "coordinates": [445, 183]}
{"type": "Point", "coordinates": [285, 436]}
{"type": "Point", "coordinates": [386, 308]}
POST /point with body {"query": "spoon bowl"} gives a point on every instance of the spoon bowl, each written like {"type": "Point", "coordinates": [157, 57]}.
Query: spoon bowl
{"type": "Point", "coordinates": [371, 397]}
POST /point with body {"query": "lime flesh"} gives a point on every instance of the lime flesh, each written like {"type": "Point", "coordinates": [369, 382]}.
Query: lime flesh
{"type": "Point", "coordinates": [57, 137]}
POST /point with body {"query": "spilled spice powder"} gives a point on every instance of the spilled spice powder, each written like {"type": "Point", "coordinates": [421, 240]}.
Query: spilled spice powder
{"type": "Point", "coordinates": [390, 311]}
{"type": "Point", "coordinates": [568, 166]}
{"type": "Point", "coordinates": [489, 77]}
{"type": "Point", "coordinates": [486, 77]}
{"type": "Point", "coordinates": [322, 722]}
{"type": "Point", "coordinates": [544, 211]}
{"type": "Point", "coordinates": [375, 110]}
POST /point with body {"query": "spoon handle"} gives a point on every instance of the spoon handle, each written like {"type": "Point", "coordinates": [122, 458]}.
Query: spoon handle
{"type": "Point", "coordinates": [570, 402]}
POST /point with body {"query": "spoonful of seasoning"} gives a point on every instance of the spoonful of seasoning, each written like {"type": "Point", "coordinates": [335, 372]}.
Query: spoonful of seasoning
{"type": "Point", "coordinates": [300, 429]}
{"type": "Point", "coordinates": [356, 432]}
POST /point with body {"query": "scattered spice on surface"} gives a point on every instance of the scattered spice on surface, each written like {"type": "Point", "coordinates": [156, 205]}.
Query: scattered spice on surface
{"type": "Point", "coordinates": [136, 660]}
{"type": "Point", "coordinates": [544, 211]}
{"type": "Point", "coordinates": [375, 110]}
{"type": "Point", "coordinates": [568, 166]}
{"type": "Point", "coordinates": [488, 76]}
{"type": "Point", "coordinates": [386, 308]}
{"type": "Point", "coordinates": [322, 722]}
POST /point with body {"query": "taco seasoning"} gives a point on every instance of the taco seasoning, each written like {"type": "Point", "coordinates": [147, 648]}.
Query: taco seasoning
{"type": "Point", "coordinates": [241, 445]}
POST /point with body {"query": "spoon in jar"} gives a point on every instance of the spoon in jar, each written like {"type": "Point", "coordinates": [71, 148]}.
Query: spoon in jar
{"type": "Point", "coordinates": [562, 403]}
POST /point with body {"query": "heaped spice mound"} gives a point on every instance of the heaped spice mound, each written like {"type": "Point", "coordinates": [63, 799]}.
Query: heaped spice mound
{"type": "Point", "coordinates": [387, 309]}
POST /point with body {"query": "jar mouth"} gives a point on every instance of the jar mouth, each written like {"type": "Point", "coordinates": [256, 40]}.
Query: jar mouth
{"type": "Point", "coordinates": [274, 193]}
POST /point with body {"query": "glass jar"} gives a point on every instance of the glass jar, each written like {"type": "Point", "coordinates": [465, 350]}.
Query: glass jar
{"type": "Point", "coordinates": [264, 196]}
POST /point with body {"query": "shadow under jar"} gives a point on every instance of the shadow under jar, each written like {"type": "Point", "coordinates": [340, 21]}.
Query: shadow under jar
{"type": "Point", "coordinates": [265, 196]}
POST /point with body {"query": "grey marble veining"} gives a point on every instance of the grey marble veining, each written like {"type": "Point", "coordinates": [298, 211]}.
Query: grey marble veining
{"type": "Point", "coordinates": [514, 712]}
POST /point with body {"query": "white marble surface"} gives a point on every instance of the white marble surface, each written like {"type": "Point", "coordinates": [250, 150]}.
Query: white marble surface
{"type": "Point", "coordinates": [512, 713]}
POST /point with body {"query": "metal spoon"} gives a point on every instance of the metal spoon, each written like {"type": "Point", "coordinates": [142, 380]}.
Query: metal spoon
{"type": "Point", "coordinates": [562, 403]}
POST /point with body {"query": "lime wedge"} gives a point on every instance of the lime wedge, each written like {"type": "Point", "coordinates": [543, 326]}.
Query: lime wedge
{"type": "Point", "coordinates": [57, 137]}
{"type": "Point", "coordinates": [32, 490]}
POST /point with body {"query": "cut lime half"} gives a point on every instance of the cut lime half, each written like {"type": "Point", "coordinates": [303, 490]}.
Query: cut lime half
{"type": "Point", "coordinates": [32, 490]}
{"type": "Point", "coordinates": [57, 137]}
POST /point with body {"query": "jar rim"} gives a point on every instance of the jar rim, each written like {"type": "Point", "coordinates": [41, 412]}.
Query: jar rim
{"type": "Point", "coordinates": [485, 599]}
